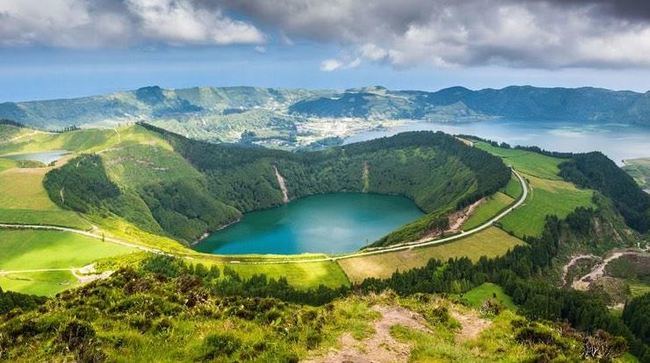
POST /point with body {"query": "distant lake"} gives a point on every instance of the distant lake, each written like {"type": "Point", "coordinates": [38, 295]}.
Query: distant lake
{"type": "Point", "coordinates": [44, 157]}
{"type": "Point", "coordinates": [618, 142]}
{"type": "Point", "coordinates": [329, 223]}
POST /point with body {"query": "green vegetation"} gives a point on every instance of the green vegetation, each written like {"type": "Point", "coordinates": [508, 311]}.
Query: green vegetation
{"type": "Point", "coordinates": [637, 316]}
{"type": "Point", "coordinates": [45, 283]}
{"type": "Point", "coordinates": [23, 189]}
{"type": "Point", "coordinates": [164, 310]}
{"type": "Point", "coordinates": [477, 296]}
{"type": "Point", "coordinates": [516, 272]}
{"type": "Point", "coordinates": [37, 249]}
{"type": "Point", "coordinates": [513, 189]}
{"type": "Point", "coordinates": [490, 242]}
{"type": "Point", "coordinates": [639, 169]}
{"type": "Point", "coordinates": [489, 208]}
{"type": "Point", "coordinates": [545, 198]}
{"type": "Point", "coordinates": [594, 170]}
{"type": "Point", "coordinates": [6, 164]}
{"type": "Point", "coordinates": [61, 218]}
{"type": "Point", "coordinates": [160, 192]}
{"type": "Point", "coordinates": [524, 161]}
{"type": "Point", "coordinates": [303, 275]}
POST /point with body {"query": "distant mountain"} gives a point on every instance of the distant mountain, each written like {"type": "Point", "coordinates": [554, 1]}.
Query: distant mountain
{"type": "Point", "coordinates": [150, 103]}
{"type": "Point", "coordinates": [200, 110]}
{"type": "Point", "coordinates": [462, 104]}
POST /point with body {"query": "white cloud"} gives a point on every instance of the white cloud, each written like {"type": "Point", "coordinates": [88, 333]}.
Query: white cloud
{"type": "Point", "coordinates": [329, 65]}
{"type": "Point", "coordinates": [180, 21]}
{"type": "Point", "coordinates": [85, 23]}
{"type": "Point", "coordinates": [373, 52]}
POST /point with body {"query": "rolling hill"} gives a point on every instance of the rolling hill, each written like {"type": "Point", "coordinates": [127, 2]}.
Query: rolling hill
{"type": "Point", "coordinates": [278, 116]}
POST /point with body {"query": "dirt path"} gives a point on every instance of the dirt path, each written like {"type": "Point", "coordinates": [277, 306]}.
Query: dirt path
{"type": "Point", "coordinates": [599, 270]}
{"type": "Point", "coordinates": [471, 325]}
{"type": "Point", "coordinates": [381, 346]}
{"type": "Point", "coordinates": [458, 218]}
{"type": "Point", "coordinates": [571, 263]}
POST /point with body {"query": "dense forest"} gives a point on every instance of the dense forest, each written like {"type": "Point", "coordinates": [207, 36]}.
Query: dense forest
{"type": "Point", "coordinates": [595, 171]}
{"type": "Point", "coordinates": [438, 172]}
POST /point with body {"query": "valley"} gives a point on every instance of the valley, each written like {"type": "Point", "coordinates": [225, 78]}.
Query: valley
{"type": "Point", "coordinates": [108, 204]}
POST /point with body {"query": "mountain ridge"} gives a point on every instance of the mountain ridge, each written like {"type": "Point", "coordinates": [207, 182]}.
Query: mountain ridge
{"type": "Point", "coordinates": [453, 104]}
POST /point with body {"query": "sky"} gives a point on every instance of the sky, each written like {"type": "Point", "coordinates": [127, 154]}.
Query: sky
{"type": "Point", "coordinates": [70, 48]}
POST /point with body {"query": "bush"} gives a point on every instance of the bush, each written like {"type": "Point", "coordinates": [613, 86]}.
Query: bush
{"type": "Point", "coordinates": [219, 345]}
{"type": "Point", "coordinates": [164, 265]}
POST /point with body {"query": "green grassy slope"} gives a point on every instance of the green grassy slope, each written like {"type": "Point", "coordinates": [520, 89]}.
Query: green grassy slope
{"type": "Point", "coordinates": [47, 283]}
{"type": "Point", "coordinates": [478, 295]}
{"type": "Point", "coordinates": [546, 197]}
{"type": "Point", "coordinates": [639, 169]}
{"type": "Point", "coordinates": [141, 316]}
{"type": "Point", "coordinates": [490, 242]}
{"type": "Point", "coordinates": [29, 249]}
{"type": "Point", "coordinates": [527, 162]}
{"type": "Point", "coordinates": [548, 193]}
{"type": "Point", "coordinates": [487, 210]}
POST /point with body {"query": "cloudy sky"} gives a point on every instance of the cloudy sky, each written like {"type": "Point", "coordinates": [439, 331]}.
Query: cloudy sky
{"type": "Point", "coordinates": [64, 48]}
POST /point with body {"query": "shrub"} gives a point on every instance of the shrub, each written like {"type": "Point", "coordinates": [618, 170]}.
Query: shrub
{"type": "Point", "coordinates": [164, 265]}
{"type": "Point", "coordinates": [219, 345]}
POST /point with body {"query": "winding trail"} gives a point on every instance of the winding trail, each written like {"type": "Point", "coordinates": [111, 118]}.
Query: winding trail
{"type": "Point", "coordinates": [367, 252]}
{"type": "Point", "coordinates": [599, 270]}
{"type": "Point", "coordinates": [572, 262]}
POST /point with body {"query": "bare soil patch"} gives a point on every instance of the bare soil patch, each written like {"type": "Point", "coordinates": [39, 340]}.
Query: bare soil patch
{"type": "Point", "coordinates": [381, 346]}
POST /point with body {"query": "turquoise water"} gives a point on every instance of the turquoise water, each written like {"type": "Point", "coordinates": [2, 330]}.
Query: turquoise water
{"type": "Point", "coordinates": [44, 157]}
{"type": "Point", "coordinates": [329, 223]}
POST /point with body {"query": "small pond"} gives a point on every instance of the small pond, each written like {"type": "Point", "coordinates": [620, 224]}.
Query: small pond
{"type": "Point", "coordinates": [44, 157]}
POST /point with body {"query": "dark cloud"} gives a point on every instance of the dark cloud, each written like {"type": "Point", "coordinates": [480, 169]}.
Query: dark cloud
{"type": "Point", "coordinates": [633, 10]}
{"type": "Point", "coordinates": [440, 33]}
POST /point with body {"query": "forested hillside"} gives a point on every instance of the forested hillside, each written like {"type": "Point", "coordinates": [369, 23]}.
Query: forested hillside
{"type": "Point", "coordinates": [438, 172]}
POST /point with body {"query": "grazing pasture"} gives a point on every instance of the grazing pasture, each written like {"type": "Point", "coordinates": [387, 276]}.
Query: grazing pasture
{"type": "Point", "coordinates": [490, 242]}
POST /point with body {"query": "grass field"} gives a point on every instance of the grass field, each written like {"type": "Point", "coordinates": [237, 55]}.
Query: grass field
{"type": "Point", "coordinates": [548, 194]}
{"type": "Point", "coordinates": [638, 288]}
{"type": "Point", "coordinates": [490, 242]}
{"type": "Point", "coordinates": [6, 164]}
{"type": "Point", "coordinates": [527, 162]}
{"type": "Point", "coordinates": [29, 249]}
{"type": "Point", "coordinates": [513, 189]}
{"type": "Point", "coordinates": [301, 275]}
{"type": "Point", "coordinates": [91, 140]}
{"type": "Point", "coordinates": [639, 169]}
{"type": "Point", "coordinates": [139, 165]}
{"type": "Point", "coordinates": [39, 283]}
{"type": "Point", "coordinates": [23, 189]}
{"type": "Point", "coordinates": [546, 197]}
{"type": "Point", "coordinates": [477, 296]}
{"type": "Point", "coordinates": [61, 218]}
{"type": "Point", "coordinates": [487, 210]}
